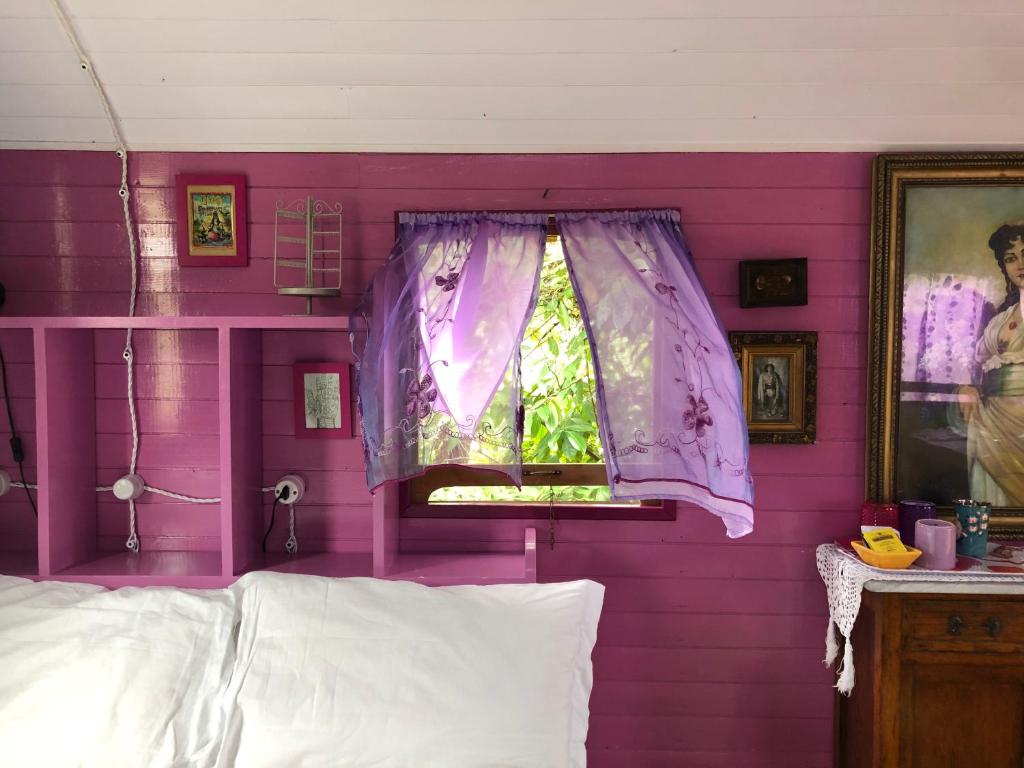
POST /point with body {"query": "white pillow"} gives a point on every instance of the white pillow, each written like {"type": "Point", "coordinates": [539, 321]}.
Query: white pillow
{"type": "Point", "coordinates": [132, 677]}
{"type": "Point", "coordinates": [389, 674]}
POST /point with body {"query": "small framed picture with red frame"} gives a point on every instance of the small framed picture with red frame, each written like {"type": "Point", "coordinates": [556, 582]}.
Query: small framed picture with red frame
{"type": "Point", "coordinates": [211, 221]}
{"type": "Point", "coordinates": [323, 405]}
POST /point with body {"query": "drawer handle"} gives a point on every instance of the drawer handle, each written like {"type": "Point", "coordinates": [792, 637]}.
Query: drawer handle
{"type": "Point", "coordinates": [956, 625]}
{"type": "Point", "coordinates": [993, 625]}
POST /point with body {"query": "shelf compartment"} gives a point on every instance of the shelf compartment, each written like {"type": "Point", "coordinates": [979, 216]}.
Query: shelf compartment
{"type": "Point", "coordinates": [442, 568]}
{"type": "Point", "coordinates": [19, 534]}
{"type": "Point", "coordinates": [241, 394]}
{"type": "Point", "coordinates": [451, 568]}
{"type": "Point", "coordinates": [87, 442]}
{"type": "Point", "coordinates": [195, 569]}
{"type": "Point", "coordinates": [176, 395]}
{"type": "Point", "coordinates": [332, 520]}
{"type": "Point", "coordinates": [66, 435]}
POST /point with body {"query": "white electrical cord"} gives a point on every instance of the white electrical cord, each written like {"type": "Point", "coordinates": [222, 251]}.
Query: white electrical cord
{"type": "Point", "coordinates": [122, 152]}
{"type": "Point", "coordinates": [183, 497]}
{"type": "Point", "coordinates": [129, 353]}
{"type": "Point", "coordinates": [173, 495]}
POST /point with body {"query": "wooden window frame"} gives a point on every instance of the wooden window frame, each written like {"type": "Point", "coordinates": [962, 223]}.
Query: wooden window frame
{"type": "Point", "coordinates": [416, 491]}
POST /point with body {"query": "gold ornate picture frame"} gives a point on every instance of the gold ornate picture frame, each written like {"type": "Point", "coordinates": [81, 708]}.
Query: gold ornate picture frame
{"type": "Point", "coordinates": [780, 379]}
{"type": "Point", "coordinates": [945, 386]}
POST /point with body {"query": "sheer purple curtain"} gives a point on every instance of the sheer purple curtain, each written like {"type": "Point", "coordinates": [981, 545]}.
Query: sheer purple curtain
{"type": "Point", "coordinates": [444, 318]}
{"type": "Point", "coordinates": [669, 397]}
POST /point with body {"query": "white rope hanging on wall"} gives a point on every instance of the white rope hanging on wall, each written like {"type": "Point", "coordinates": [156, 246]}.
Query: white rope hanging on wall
{"type": "Point", "coordinates": [291, 546]}
{"type": "Point", "coordinates": [121, 149]}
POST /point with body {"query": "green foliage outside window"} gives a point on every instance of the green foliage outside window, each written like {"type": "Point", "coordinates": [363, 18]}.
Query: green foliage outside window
{"type": "Point", "coordinates": [558, 395]}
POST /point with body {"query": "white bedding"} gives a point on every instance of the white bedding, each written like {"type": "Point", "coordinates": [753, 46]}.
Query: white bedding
{"type": "Point", "coordinates": [105, 679]}
{"type": "Point", "coordinates": [328, 672]}
{"type": "Point", "coordinates": [366, 673]}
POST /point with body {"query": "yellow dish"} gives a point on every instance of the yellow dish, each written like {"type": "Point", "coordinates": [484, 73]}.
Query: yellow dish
{"type": "Point", "coordinates": [894, 561]}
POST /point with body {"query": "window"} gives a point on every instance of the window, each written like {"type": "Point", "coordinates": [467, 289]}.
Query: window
{"type": "Point", "coordinates": [439, 347]}
{"type": "Point", "coordinates": [562, 454]}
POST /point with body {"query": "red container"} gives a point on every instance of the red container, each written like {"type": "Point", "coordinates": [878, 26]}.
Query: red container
{"type": "Point", "coordinates": [877, 513]}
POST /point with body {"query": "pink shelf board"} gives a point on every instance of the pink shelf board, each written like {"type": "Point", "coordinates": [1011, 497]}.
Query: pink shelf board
{"type": "Point", "coordinates": [449, 568]}
{"type": "Point", "coordinates": [333, 564]}
{"type": "Point", "coordinates": [172, 322]}
{"type": "Point", "coordinates": [19, 563]}
{"type": "Point", "coordinates": [181, 569]}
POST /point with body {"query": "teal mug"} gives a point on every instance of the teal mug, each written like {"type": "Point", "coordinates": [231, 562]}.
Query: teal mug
{"type": "Point", "coordinates": [972, 526]}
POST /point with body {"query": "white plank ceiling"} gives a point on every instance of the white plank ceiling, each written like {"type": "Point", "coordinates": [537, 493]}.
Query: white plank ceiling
{"type": "Point", "coordinates": [517, 75]}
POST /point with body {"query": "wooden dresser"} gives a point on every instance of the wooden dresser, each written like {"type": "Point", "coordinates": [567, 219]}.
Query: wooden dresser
{"type": "Point", "coordinates": [940, 682]}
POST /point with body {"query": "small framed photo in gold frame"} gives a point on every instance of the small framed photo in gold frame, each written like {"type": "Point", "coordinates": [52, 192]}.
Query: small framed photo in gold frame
{"type": "Point", "coordinates": [211, 221]}
{"type": "Point", "coordinates": [780, 381]}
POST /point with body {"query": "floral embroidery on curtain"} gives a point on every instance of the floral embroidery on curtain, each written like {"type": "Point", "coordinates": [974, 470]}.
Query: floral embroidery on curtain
{"type": "Point", "coordinates": [438, 373]}
{"type": "Point", "coordinates": [669, 397]}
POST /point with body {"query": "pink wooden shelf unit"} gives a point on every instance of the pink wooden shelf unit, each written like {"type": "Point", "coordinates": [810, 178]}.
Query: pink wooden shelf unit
{"type": "Point", "coordinates": [67, 543]}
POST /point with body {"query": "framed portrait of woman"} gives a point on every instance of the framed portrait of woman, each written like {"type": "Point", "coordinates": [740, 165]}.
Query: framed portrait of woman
{"type": "Point", "coordinates": [779, 374]}
{"type": "Point", "coordinates": [946, 333]}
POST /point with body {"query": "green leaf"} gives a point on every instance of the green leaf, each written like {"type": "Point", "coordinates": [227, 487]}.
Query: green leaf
{"type": "Point", "coordinates": [576, 440]}
{"type": "Point", "coordinates": [557, 386]}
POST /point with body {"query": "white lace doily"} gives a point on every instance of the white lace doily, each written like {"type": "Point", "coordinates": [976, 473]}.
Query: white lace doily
{"type": "Point", "coordinates": [844, 575]}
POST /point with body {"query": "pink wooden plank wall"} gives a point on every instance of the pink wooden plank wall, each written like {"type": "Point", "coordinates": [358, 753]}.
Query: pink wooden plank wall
{"type": "Point", "coordinates": [710, 651]}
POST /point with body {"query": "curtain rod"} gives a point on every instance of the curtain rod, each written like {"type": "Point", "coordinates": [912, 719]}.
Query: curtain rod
{"type": "Point", "coordinates": [552, 231]}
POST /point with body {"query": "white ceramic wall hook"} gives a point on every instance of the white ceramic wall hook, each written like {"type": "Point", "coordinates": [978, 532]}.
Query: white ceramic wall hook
{"type": "Point", "coordinates": [129, 487]}
{"type": "Point", "coordinates": [5, 482]}
{"type": "Point", "coordinates": [290, 489]}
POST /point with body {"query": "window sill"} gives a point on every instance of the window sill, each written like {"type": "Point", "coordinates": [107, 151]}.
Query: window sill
{"type": "Point", "coordinates": [660, 511]}
{"type": "Point", "coordinates": [413, 495]}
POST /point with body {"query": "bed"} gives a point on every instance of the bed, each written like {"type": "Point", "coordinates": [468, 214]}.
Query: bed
{"type": "Point", "coordinates": [287, 670]}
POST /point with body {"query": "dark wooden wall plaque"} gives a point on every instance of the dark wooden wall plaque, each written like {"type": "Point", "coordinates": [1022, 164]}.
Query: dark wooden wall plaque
{"type": "Point", "coordinates": [773, 283]}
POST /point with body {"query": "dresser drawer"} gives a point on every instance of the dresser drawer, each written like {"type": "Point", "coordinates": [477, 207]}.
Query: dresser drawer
{"type": "Point", "coordinates": [952, 625]}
